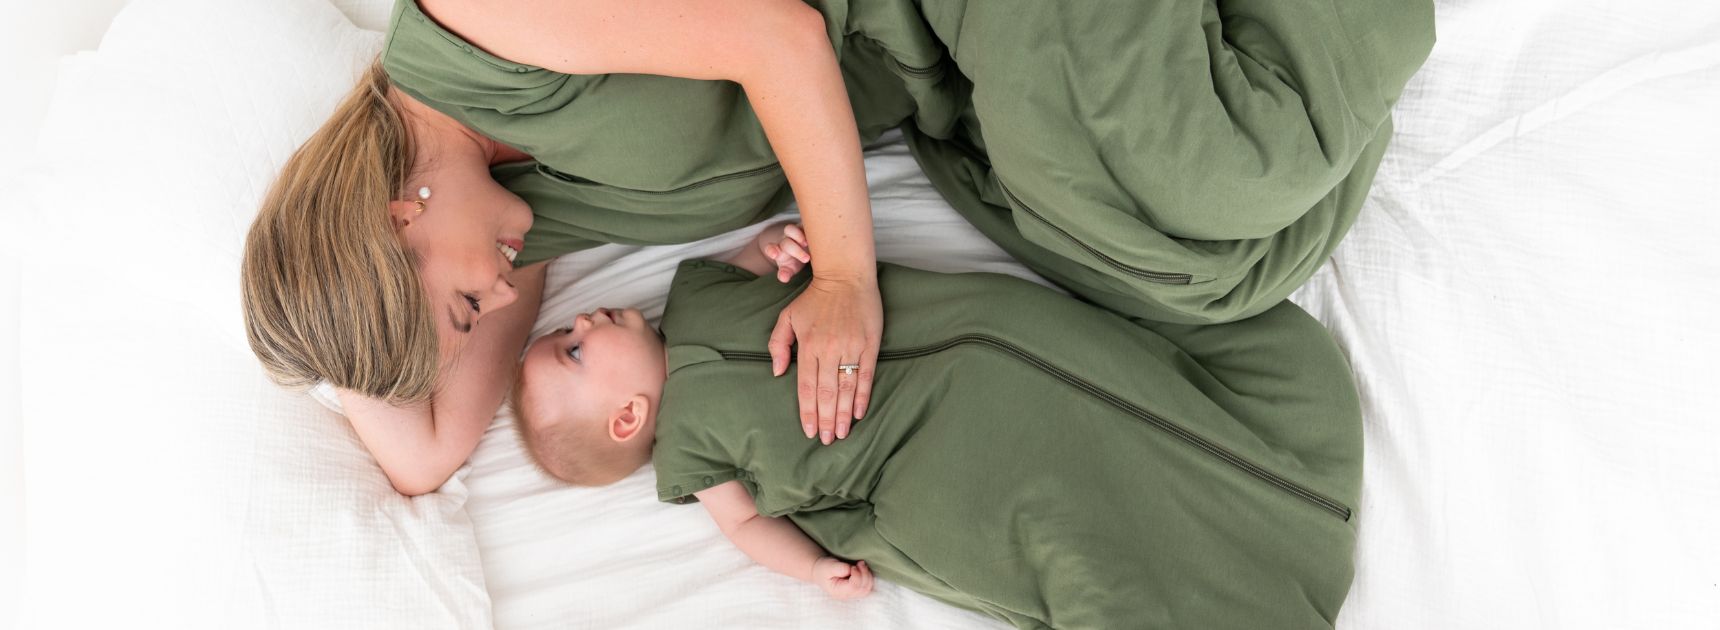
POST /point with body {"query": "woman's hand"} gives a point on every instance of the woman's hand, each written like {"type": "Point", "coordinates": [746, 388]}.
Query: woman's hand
{"type": "Point", "coordinates": [842, 580]}
{"type": "Point", "coordinates": [836, 322]}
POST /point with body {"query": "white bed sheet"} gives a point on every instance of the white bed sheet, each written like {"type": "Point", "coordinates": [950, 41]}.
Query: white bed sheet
{"type": "Point", "coordinates": [1525, 300]}
{"type": "Point", "coordinates": [1528, 302]}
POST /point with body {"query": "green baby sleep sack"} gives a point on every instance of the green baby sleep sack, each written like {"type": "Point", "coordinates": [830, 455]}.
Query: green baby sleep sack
{"type": "Point", "coordinates": [1036, 458]}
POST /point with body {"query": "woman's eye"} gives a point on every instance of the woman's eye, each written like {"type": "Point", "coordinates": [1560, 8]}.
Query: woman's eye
{"type": "Point", "coordinates": [573, 353]}
{"type": "Point", "coordinates": [472, 302]}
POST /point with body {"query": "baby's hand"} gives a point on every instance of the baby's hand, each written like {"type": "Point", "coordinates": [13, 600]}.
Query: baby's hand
{"type": "Point", "coordinates": [842, 580]}
{"type": "Point", "coordinates": [785, 245]}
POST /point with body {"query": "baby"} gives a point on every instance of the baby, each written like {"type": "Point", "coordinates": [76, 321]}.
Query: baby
{"type": "Point", "coordinates": [586, 402]}
{"type": "Point", "coordinates": [1027, 455]}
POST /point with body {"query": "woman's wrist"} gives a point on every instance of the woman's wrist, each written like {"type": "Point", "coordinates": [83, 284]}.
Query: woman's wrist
{"type": "Point", "coordinates": [855, 278]}
{"type": "Point", "coordinates": [857, 269]}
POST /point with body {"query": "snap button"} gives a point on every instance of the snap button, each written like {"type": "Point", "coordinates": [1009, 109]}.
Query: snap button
{"type": "Point", "coordinates": [521, 69]}
{"type": "Point", "coordinates": [675, 490]}
{"type": "Point", "coordinates": [709, 480]}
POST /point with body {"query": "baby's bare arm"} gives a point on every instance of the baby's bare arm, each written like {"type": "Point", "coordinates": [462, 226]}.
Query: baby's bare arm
{"type": "Point", "coordinates": [777, 543]}
{"type": "Point", "coordinates": [772, 542]}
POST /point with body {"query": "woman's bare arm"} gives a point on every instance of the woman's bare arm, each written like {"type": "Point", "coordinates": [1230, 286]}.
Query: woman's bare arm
{"type": "Point", "coordinates": [420, 447]}
{"type": "Point", "coordinates": [780, 54]}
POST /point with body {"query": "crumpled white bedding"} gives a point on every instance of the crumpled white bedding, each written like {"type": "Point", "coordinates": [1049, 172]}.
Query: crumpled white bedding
{"type": "Point", "coordinates": [1527, 302]}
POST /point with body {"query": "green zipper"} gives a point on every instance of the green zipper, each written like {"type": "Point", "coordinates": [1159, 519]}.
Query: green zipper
{"type": "Point", "coordinates": [566, 177]}
{"type": "Point", "coordinates": [1162, 277]}
{"type": "Point", "coordinates": [1193, 439]}
{"type": "Point", "coordinates": [928, 71]}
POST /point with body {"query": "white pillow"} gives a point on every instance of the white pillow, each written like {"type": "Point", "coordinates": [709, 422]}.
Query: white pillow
{"type": "Point", "coordinates": [168, 483]}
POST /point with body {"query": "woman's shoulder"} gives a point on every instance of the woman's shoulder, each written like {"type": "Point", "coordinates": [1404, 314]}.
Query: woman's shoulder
{"type": "Point", "coordinates": [434, 40]}
{"type": "Point", "coordinates": [435, 65]}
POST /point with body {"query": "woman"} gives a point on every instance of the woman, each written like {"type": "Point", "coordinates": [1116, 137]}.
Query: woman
{"type": "Point", "coordinates": [1182, 162]}
{"type": "Point", "coordinates": [416, 314]}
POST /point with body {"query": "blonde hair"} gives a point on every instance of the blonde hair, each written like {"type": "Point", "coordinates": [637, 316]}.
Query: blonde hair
{"type": "Point", "coordinates": [571, 446]}
{"type": "Point", "coordinates": [330, 292]}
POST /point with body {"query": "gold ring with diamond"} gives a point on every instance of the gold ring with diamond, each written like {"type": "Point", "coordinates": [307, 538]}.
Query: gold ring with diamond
{"type": "Point", "coordinates": [848, 368]}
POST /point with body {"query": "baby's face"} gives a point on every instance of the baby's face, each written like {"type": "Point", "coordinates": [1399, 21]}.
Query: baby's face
{"type": "Point", "coordinates": [605, 356]}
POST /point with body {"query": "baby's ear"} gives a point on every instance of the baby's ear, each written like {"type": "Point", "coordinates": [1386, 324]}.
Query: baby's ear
{"type": "Point", "coordinates": [628, 421]}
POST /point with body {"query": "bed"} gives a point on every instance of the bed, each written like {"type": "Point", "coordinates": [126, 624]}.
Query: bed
{"type": "Point", "coordinates": [1527, 302]}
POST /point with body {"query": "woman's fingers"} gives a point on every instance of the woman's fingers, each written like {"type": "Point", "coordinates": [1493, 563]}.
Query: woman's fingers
{"type": "Point", "coordinates": [781, 345]}
{"type": "Point", "coordinates": [863, 383]}
{"type": "Point", "coordinates": [845, 382]}
{"type": "Point", "coordinates": [781, 342]}
{"type": "Point", "coordinates": [825, 377]}
{"type": "Point", "coordinates": [807, 391]}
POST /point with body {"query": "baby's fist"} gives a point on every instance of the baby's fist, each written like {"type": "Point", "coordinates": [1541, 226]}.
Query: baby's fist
{"type": "Point", "coordinates": [842, 580]}
{"type": "Point", "coordinates": [785, 244]}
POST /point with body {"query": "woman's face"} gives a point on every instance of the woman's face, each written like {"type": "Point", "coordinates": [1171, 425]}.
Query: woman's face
{"type": "Point", "coordinates": [464, 238]}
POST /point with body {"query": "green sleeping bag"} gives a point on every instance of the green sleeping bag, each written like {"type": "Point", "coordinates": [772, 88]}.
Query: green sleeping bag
{"type": "Point", "coordinates": [1036, 458]}
{"type": "Point", "coordinates": [1179, 161]}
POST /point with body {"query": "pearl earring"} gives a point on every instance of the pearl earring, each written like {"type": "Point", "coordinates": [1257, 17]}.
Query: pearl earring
{"type": "Point", "coordinates": [423, 194]}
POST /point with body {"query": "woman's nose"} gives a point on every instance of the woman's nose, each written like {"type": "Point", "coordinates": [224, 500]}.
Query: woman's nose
{"type": "Point", "coordinates": [503, 293]}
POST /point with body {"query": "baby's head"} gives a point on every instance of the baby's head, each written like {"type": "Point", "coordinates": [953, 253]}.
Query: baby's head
{"type": "Point", "coordinates": [586, 397]}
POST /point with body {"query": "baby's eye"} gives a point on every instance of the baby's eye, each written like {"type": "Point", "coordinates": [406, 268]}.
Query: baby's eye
{"type": "Point", "coordinates": [472, 302]}
{"type": "Point", "coordinates": [573, 353]}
